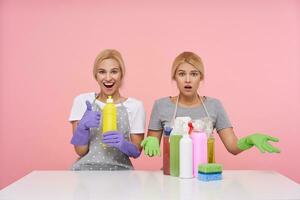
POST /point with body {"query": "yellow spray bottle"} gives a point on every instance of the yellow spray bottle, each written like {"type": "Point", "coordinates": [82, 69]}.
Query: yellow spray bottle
{"type": "Point", "coordinates": [109, 120]}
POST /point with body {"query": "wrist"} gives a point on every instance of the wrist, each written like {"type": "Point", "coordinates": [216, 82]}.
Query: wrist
{"type": "Point", "coordinates": [80, 137]}
{"type": "Point", "coordinates": [244, 144]}
{"type": "Point", "coordinates": [130, 149]}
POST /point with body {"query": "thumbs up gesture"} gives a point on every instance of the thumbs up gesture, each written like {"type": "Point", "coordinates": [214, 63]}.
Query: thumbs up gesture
{"type": "Point", "coordinates": [90, 119]}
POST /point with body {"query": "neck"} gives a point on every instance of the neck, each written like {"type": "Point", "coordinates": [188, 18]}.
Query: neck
{"type": "Point", "coordinates": [116, 97]}
{"type": "Point", "coordinates": [189, 100]}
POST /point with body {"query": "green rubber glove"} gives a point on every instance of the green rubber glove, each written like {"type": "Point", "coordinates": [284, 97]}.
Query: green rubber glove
{"type": "Point", "coordinates": [151, 146]}
{"type": "Point", "coordinates": [260, 141]}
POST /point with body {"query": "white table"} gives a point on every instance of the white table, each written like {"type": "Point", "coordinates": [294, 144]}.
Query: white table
{"type": "Point", "coordinates": [149, 185]}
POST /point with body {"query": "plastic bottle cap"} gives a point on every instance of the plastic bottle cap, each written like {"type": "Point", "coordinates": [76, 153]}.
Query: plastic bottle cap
{"type": "Point", "coordinates": [109, 100]}
{"type": "Point", "coordinates": [167, 131]}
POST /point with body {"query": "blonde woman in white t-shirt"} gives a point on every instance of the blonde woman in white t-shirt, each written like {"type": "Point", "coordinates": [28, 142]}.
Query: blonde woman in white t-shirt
{"type": "Point", "coordinates": [85, 117]}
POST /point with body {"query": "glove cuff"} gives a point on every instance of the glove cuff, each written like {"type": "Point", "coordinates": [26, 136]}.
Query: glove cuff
{"type": "Point", "coordinates": [130, 149]}
{"type": "Point", "coordinates": [243, 144]}
{"type": "Point", "coordinates": [80, 137]}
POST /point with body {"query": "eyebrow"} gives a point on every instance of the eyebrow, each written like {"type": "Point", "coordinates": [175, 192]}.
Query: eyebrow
{"type": "Point", "coordinates": [115, 68]}
{"type": "Point", "coordinates": [181, 70]}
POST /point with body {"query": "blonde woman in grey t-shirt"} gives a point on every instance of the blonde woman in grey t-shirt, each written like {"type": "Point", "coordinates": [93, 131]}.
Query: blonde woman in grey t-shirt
{"type": "Point", "coordinates": [188, 72]}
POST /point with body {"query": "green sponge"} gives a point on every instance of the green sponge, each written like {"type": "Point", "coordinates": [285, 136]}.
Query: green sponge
{"type": "Point", "coordinates": [210, 168]}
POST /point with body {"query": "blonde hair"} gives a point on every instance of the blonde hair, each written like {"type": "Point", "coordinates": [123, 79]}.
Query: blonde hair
{"type": "Point", "coordinates": [109, 54]}
{"type": "Point", "coordinates": [190, 58]}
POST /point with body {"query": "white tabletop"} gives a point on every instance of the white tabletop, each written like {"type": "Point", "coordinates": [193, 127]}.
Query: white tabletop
{"type": "Point", "coordinates": [149, 185]}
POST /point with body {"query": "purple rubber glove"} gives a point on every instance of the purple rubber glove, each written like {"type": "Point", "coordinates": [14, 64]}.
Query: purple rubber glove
{"type": "Point", "coordinates": [117, 140]}
{"type": "Point", "coordinates": [90, 119]}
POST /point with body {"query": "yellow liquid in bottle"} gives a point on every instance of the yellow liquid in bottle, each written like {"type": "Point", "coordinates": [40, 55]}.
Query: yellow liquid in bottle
{"type": "Point", "coordinates": [109, 122]}
{"type": "Point", "coordinates": [211, 150]}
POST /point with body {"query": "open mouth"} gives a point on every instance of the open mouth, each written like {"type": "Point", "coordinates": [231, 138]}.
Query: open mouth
{"type": "Point", "coordinates": [108, 85]}
{"type": "Point", "coordinates": [188, 87]}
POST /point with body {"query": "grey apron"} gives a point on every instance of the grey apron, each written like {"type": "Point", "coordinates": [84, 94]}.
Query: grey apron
{"type": "Point", "coordinates": [104, 157]}
{"type": "Point", "coordinates": [206, 123]}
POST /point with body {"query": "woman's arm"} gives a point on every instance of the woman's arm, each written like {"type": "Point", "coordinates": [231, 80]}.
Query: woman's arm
{"type": "Point", "coordinates": [82, 149]}
{"type": "Point", "coordinates": [229, 140]}
{"type": "Point", "coordinates": [136, 139]}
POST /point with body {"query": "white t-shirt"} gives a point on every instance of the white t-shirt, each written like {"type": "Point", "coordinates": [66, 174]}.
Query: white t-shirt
{"type": "Point", "coordinates": [135, 109]}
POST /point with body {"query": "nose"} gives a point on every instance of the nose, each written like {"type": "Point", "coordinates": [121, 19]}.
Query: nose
{"type": "Point", "coordinates": [187, 78]}
{"type": "Point", "coordinates": [108, 77]}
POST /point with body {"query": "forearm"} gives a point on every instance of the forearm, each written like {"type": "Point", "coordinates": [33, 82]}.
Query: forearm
{"type": "Point", "coordinates": [81, 150]}
{"type": "Point", "coordinates": [230, 140]}
{"type": "Point", "coordinates": [136, 139]}
{"type": "Point", "coordinates": [232, 146]}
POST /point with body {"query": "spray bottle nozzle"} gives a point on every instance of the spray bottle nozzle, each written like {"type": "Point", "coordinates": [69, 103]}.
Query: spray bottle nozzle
{"type": "Point", "coordinates": [190, 124]}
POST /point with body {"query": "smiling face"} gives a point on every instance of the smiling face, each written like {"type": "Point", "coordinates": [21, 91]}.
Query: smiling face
{"type": "Point", "coordinates": [109, 76]}
{"type": "Point", "coordinates": [188, 79]}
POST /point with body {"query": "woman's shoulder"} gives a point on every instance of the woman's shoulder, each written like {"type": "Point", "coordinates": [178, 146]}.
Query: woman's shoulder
{"type": "Point", "coordinates": [212, 100]}
{"type": "Point", "coordinates": [133, 102]}
{"type": "Point", "coordinates": [163, 101]}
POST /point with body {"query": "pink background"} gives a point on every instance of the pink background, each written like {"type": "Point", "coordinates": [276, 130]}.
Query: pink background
{"type": "Point", "coordinates": [251, 52]}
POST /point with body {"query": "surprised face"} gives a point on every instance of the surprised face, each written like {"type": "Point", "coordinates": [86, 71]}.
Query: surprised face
{"type": "Point", "coordinates": [188, 79]}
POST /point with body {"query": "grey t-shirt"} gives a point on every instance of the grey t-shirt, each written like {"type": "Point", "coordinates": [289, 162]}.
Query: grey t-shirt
{"type": "Point", "coordinates": [163, 110]}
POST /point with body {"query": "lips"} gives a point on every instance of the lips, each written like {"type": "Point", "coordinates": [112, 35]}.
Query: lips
{"type": "Point", "coordinates": [108, 85]}
{"type": "Point", "coordinates": [188, 87]}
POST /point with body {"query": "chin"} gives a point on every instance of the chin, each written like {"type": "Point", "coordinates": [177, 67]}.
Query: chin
{"type": "Point", "coordinates": [107, 92]}
{"type": "Point", "coordinates": [189, 94]}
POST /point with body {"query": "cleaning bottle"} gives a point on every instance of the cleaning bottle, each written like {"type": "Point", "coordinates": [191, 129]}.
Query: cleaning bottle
{"type": "Point", "coordinates": [186, 156]}
{"type": "Point", "coordinates": [109, 120]}
{"type": "Point", "coordinates": [176, 135]}
{"type": "Point", "coordinates": [199, 139]}
{"type": "Point", "coordinates": [211, 149]}
{"type": "Point", "coordinates": [174, 154]}
{"type": "Point", "coordinates": [166, 150]}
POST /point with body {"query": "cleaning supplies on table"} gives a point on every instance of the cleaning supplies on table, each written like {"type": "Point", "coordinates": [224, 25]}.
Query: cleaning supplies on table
{"type": "Point", "coordinates": [186, 156]}
{"type": "Point", "coordinates": [199, 138]}
{"type": "Point", "coordinates": [210, 172]}
{"type": "Point", "coordinates": [166, 150]}
{"type": "Point", "coordinates": [180, 127]}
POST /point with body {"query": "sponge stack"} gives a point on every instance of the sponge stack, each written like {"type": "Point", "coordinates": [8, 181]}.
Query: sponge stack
{"type": "Point", "coordinates": [210, 172]}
